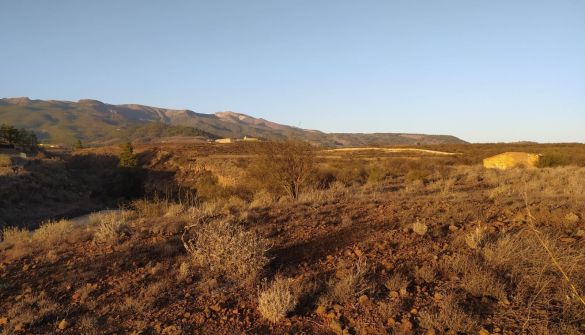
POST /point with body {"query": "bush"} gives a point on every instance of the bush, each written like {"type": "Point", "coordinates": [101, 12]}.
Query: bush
{"type": "Point", "coordinates": [350, 284]}
{"type": "Point", "coordinates": [449, 316]}
{"type": "Point", "coordinates": [554, 158]}
{"type": "Point", "coordinates": [285, 166]}
{"type": "Point", "coordinates": [276, 301]}
{"type": "Point", "coordinates": [223, 248]}
{"type": "Point", "coordinates": [52, 233]}
{"type": "Point", "coordinates": [419, 228]}
{"type": "Point", "coordinates": [110, 227]}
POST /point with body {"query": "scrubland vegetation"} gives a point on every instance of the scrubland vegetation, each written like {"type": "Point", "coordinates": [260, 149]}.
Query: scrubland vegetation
{"type": "Point", "coordinates": [285, 239]}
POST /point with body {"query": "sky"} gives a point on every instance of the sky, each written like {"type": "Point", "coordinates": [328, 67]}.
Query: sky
{"type": "Point", "coordinates": [485, 71]}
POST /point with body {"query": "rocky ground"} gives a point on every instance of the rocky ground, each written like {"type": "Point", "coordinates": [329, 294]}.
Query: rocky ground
{"type": "Point", "coordinates": [457, 253]}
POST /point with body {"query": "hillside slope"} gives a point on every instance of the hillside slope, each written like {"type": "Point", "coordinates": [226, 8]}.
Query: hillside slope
{"type": "Point", "coordinates": [98, 122]}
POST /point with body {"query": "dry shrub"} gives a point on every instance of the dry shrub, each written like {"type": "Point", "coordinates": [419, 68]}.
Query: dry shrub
{"type": "Point", "coordinates": [224, 248]}
{"type": "Point", "coordinates": [110, 227]}
{"type": "Point", "coordinates": [16, 246]}
{"type": "Point", "coordinates": [262, 198]}
{"type": "Point", "coordinates": [277, 300]}
{"type": "Point", "coordinates": [536, 277]}
{"type": "Point", "coordinates": [476, 238]}
{"type": "Point", "coordinates": [157, 208]}
{"type": "Point", "coordinates": [15, 235]}
{"type": "Point", "coordinates": [481, 282]}
{"type": "Point", "coordinates": [234, 203]}
{"type": "Point", "coordinates": [499, 192]}
{"type": "Point", "coordinates": [52, 233]}
{"type": "Point", "coordinates": [419, 228]}
{"type": "Point", "coordinates": [5, 160]}
{"type": "Point", "coordinates": [350, 283]}
{"type": "Point", "coordinates": [209, 208]}
{"type": "Point", "coordinates": [397, 282]}
{"type": "Point", "coordinates": [448, 317]}
{"type": "Point", "coordinates": [88, 325]}
{"type": "Point", "coordinates": [174, 210]}
{"type": "Point", "coordinates": [478, 278]}
{"type": "Point", "coordinates": [184, 271]}
{"type": "Point", "coordinates": [148, 297]}
{"type": "Point", "coordinates": [285, 166]}
{"type": "Point", "coordinates": [425, 274]}
{"type": "Point", "coordinates": [31, 310]}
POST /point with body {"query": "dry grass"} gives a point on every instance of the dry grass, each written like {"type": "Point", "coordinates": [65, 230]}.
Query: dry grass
{"type": "Point", "coordinates": [448, 317]}
{"type": "Point", "coordinates": [397, 283]}
{"type": "Point", "coordinates": [31, 310]}
{"type": "Point", "coordinates": [425, 274]}
{"type": "Point", "coordinates": [52, 233]}
{"type": "Point", "coordinates": [14, 235]}
{"type": "Point", "coordinates": [146, 298]}
{"type": "Point", "coordinates": [224, 248]}
{"type": "Point", "coordinates": [5, 160]}
{"type": "Point", "coordinates": [350, 283]}
{"type": "Point", "coordinates": [262, 198]}
{"type": "Point", "coordinates": [536, 277]}
{"type": "Point", "coordinates": [110, 228]}
{"type": "Point", "coordinates": [476, 238]}
{"type": "Point", "coordinates": [277, 300]}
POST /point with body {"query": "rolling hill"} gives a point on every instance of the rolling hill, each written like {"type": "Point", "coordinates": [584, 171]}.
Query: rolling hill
{"type": "Point", "coordinates": [96, 122]}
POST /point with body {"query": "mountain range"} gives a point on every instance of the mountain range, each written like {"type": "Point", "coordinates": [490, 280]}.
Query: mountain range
{"type": "Point", "coordinates": [95, 122]}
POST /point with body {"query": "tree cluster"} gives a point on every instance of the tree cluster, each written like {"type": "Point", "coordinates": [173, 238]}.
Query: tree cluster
{"type": "Point", "coordinates": [17, 137]}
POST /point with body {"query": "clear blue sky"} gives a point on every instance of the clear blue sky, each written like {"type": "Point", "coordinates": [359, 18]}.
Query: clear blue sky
{"type": "Point", "coordinates": [492, 70]}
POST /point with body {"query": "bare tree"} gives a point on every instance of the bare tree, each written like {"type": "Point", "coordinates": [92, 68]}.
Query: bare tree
{"type": "Point", "coordinates": [288, 165]}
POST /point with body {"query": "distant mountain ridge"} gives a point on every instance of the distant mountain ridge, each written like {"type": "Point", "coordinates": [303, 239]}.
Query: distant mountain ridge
{"type": "Point", "coordinates": [93, 121]}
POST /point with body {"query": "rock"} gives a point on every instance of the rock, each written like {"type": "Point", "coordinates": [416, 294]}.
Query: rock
{"type": "Point", "coordinates": [363, 299]}
{"type": "Point", "coordinates": [431, 332]}
{"type": "Point", "coordinates": [394, 295]}
{"type": "Point", "coordinates": [63, 324]}
{"type": "Point", "coordinates": [483, 332]}
{"type": "Point", "coordinates": [216, 308]}
{"type": "Point", "coordinates": [413, 311]}
{"type": "Point", "coordinates": [391, 322]}
{"type": "Point", "coordinates": [358, 252]}
{"type": "Point", "coordinates": [172, 330]}
{"type": "Point", "coordinates": [438, 296]}
{"type": "Point", "coordinates": [406, 326]}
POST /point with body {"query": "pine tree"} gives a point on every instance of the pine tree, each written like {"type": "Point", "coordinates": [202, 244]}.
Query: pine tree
{"type": "Point", "coordinates": [78, 145]}
{"type": "Point", "coordinates": [127, 157]}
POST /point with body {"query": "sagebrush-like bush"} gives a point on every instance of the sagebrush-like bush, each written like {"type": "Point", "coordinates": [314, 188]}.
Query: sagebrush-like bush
{"type": "Point", "coordinates": [226, 249]}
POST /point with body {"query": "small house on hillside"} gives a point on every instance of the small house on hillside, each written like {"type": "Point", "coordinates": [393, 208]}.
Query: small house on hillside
{"type": "Point", "coordinates": [508, 160]}
{"type": "Point", "coordinates": [224, 140]}
{"type": "Point", "coordinates": [251, 139]}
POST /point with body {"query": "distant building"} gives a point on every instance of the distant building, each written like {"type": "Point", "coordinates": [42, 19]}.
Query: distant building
{"type": "Point", "coordinates": [224, 140]}
{"type": "Point", "coordinates": [508, 160]}
{"type": "Point", "coordinates": [251, 139]}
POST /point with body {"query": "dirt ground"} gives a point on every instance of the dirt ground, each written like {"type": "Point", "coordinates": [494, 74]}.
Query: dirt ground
{"type": "Point", "coordinates": [456, 251]}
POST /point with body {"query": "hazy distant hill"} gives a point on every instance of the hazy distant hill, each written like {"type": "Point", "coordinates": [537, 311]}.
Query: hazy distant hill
{"type": "Point", "coordinates": [95, 122]}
